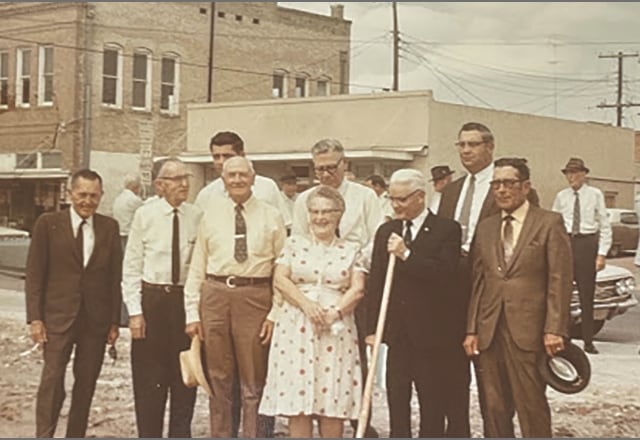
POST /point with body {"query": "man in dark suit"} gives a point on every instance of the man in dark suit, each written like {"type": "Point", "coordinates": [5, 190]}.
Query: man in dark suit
{"type": "Point", "coordinates": [73, 300]}
{"type": "Point", "coordinates": [519, 308]}
{"type": "Point", "coordinates": [423, 348]}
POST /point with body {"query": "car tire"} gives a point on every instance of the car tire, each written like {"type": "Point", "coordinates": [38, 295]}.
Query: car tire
{"type": "Point", "coordinates": [576, 329]}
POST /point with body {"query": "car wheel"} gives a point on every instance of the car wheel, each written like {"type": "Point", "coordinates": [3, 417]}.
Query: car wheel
{"type": "Point", "coordinates": [576, 329]}
{"type": "Point", "coordinates": [615, 251]}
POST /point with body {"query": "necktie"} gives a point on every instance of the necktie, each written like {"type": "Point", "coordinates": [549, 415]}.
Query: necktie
{"type": "Point", "coordinates": [240, 251]}
{"type": "Point", "coordinates": [175, 249]}
{"type": "Point", "coordinates": [507, 238]}
{"type": "Point", "coordinates": [575, 226]}
{"type": "Point", "coordinates": [465, 212]}
{"type": "Point", "coordinates": [80, 240]}
{"type": "Point", "coordinates": [407, 233]}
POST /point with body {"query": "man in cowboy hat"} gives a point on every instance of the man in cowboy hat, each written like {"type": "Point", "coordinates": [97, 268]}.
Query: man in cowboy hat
{"type": "Point", "coordinates": [585, 218]}
{"type": "Point", "coordinates": [441, 176]}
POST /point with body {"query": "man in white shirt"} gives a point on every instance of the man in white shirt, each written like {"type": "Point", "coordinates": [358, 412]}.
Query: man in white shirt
{"type": "Point", "coordinates": [377, 183]}
{"type": "Point", "coordinates": [125, 205]}
{"type": "Point", "coordinates": [289, 192]}
{"type": "Point", "coordinates": [585, 219]}
{"type": "Point", "coordinates": [441, 176]}
{"type": "Point", "coordinates": [155, 267]}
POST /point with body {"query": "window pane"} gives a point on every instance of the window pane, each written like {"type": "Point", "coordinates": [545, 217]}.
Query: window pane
{"type": "Point", "coordinates": [4, 92]}
{"type": "Point", "coordinates": [110, 61]}
{"type": "Point", "coordinates": [164, 98]}
{"type": "Point", "coordinates": [48, 88]}
{"type": "Point", "coordinates": [300, 83]}
{"type": "Point", "coordinates": [278, 86]}
{"type": "Point", "coordinates": [4, 65]}
{"type": "Point", "coordinates": [140, 66]}
{"type": "Point", "coordinates": [109, 90]}
{"type": "Point", "coordinates": [322, 88]}
{"type": "Point", "coordinates": [25, 90]}
{"type": "Point", "coordinates": [48, 60]}
{"type": "Point", "coordinates": [139, 89]}
{"type": "Point", "coordinates": [26, 62]}
{"type": "Point", "coordinates": [168, 70]}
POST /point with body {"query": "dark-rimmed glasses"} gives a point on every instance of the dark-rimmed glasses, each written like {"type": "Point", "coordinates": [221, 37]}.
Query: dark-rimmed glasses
{"type": "Point", "coordinates": [507, 183]}
{"type": "Point", "coordinates": [179, 178]}
{"type": "Point", "coordinates": [405, 198]}
{"type": "Point", "coordinates": [331, 169]}
{"type": "Point", "coordinates": [471, 144]}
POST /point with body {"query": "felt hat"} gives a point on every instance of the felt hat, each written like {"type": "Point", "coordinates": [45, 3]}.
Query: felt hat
{"type": "Point", "coordinates": [575, 164]}
{"type": "Point", "coordinates": [568, 372]}
{"type": "Point", "coordinates": [440, 172]}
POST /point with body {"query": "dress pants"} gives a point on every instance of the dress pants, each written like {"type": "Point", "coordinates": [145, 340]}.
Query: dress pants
{"type": "Point", "coordinates": [155, 366]}
{"type": "Point", "coordinates": [232, 318]}
{"type": "Point", "coordinates": [89, 346]}
{"type": "Point", "coordinates": [508, 382]}
{"type": "Point", "coordinates": [585, 250]}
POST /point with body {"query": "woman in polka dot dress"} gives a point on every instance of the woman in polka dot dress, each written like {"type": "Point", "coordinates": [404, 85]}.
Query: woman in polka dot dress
{"type": "Point", "coordinates": [314, 364]}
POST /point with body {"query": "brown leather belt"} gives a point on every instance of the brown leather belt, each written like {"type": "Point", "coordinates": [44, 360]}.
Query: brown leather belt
{"type": "Point", "coordinates": [593, 234]}
{"type": "Point", "coordinates": [233, 281]}
{"type": "Point", "coordinates": [165, 288]}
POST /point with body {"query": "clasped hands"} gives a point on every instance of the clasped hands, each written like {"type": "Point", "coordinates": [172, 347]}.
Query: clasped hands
{"type": "Point", "coordinates": [321, 318]}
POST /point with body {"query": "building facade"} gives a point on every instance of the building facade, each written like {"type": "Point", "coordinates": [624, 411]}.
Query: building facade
{"type": "Point", "coordinates": [107, 85]}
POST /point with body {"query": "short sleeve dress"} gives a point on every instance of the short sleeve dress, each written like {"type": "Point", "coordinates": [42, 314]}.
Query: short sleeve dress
{"type": "Point", "coordinates": [309, 374]}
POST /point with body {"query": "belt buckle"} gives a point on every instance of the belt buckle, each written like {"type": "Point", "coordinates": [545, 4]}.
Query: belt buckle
{"type": "Point", "coordinates": [166, 288]}
{"type": "Point", "coordinates": [230, 282]}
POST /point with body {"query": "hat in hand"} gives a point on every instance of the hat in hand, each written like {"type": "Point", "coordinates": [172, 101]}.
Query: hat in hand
{"type": "Point", "coordinates": [568, 372]}
{"type": "Point", "coordinates": [575, 164]}
{"type": "Point", "coordinates": [191, 367]}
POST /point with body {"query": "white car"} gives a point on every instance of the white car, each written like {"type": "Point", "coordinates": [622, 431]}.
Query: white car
{"type": "Point", "coordinates": [14, 247]}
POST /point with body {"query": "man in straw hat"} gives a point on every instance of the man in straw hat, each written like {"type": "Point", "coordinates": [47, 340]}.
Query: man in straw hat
{"type": "Point", "coordinates": [441, 176]}
{"type": "Point", "coordinates": [585, 219]}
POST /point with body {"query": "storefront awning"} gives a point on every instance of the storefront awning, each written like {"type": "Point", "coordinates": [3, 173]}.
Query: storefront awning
{"type": "Point", "coordinates": [34, 174]}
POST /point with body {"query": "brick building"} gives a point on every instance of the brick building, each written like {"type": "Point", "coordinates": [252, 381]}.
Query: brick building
{"type": "Point", "coordinates": [106, 85]}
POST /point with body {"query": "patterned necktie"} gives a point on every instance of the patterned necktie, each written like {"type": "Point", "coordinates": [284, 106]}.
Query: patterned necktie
{"type": "Point", "coordinates": [407, 233]}
{"type": "Point", "coordinates": [175, 249]}
{"type": "Point", "coordinates": [575, 226]}
{"type": "Point", "coordinates": [240, 251]}
{"type": "Point", "coordinates": [465, 212]}
{"type": "Point", "coordinates": [507, 238]}
{"type": "Point", "coordinates": [80, 240]}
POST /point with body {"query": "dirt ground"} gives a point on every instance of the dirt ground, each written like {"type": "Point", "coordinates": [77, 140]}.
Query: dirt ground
{"type": "Point", "coordinates": [609, 407]}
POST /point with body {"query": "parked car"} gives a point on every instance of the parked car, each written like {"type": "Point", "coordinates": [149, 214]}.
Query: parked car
{"type": "Point", "coordinates": [624, 223]}
{"type": "Point", "coordinates": [615, 294]}
{"type": "Point", "coordinates": [14, 246]}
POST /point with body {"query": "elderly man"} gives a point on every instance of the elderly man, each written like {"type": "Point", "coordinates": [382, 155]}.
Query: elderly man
{"type": "Point", "coordinates": [237, 243]}
{"type": "Point", "coordinates": [441, 176]}
{"type": "Point", "coordinates": [155, 266]}
{"type": "Point", "coordinates": [422, 346]}
{"type": "Point", "coordinates": [585, 219]}
{"type": "Point", "coordinates": [125, 205]}
{"type": "Point", "coordinates": [519, 308]}
{"type": "Point", "coordinates": [73, 300]}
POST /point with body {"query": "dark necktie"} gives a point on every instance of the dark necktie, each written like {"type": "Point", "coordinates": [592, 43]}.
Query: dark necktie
{"type": "Point", "coordinates": [465, 212]}
{"type": "Point", "coordinates": [407, 233]}
{"type": "Point", "coordinates": [240, 250]}
{"type": "Point", "coordinates": [575, 226]}
{"type": "Point", "coordinates": [80, 241]}
{"type": "Point", "coordinates": [175, 249]}
{"type": "Point", "coordinates": [507, 238]}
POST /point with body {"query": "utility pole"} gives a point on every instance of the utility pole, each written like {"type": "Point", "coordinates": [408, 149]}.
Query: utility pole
{"type": "Point", "coordinates": [211, 41]}
{"type": "Point", "coordinates": [396, 48]}
{"type": "Point", "coordinates": [619, 105]}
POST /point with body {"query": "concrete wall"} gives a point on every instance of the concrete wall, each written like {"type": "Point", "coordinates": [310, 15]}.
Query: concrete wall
{"type": "Point", "coordinates": [113, 167]}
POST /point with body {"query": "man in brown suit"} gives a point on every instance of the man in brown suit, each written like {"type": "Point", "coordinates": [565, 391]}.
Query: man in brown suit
{"type": "Point", "coordinates": [73, 300]}
{"type": "Point", "coordinates": [519, 307]}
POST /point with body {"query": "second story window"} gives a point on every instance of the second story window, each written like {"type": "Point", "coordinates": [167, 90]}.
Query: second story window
{"type": "Point", "coordinates": [112, 76]}
{"type": "Point", "coordinates": [45, 76]}
{"type": "Point", "coordinates": [323, 87]}
{"type": "Point", "coordinates": [301, 87]}
{"type": "Point", "coordinates": [23, 77]}
{"type": "Point", "coordinates": [279, 87]}
{"type": "Point", "coordinates": [4, 79]}
{"type": "Point", "coordinates": [169, 84]}
{"type": "Point", "coordinates": [141, 99]}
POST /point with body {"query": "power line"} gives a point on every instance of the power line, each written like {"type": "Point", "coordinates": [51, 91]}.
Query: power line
{"type": "Point", "coordinates": [619, 105]}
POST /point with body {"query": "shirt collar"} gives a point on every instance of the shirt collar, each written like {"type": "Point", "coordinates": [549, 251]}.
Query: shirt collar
{"type": "Point", "coordinates": [342, 189]}
{"type": "Point", "coordinates": [76, 219]}
{"type": "Point", "coordinates": [485, 175]}
{"type": "Point", "coordinates": [520, 213]}
{"type": "Point", "coordinates": [167, 208]}
{"type": "Point", "coordinates": [420, 219]}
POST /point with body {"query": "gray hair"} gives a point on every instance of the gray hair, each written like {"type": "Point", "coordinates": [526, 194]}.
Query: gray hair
{"type": "Point", "coordinates": [327, 146]}
{"type": "Point", "coordinates": [232, 160]}
{"type": "Point", "coordinates": [174, 161]}
{"type": "Point", "coordinates": [132, 181]}
{"type": "Point", "coordinates": [326, 192]}
{"type": "Point", "coordinates": [408, 176]}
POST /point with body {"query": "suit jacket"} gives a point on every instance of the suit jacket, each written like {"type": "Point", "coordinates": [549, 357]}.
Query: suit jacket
{"type": "Point", "coordinates": [57, 285]}
{"type": "Point", "coordinates": [420, 306]}
{"type": "Point", "coordinates": [533, 290]}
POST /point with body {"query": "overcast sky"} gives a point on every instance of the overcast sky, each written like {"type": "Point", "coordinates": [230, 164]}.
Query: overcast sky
{"type": "Point", "coordinates": [540, 58]}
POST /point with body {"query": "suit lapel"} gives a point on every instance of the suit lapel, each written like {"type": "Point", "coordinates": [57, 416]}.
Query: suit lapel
{"type": "Point", "coordinates": [99, 235]}
{"type": "Point", "coordinates": [529, 228]}
{"type": "Point", "coordinates": [67, 227]}
{"type": "Point", "coordinates": [450, 198]}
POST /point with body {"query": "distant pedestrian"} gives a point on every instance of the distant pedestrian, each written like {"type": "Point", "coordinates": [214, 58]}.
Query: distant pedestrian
{"type": "Point", "coordinates": [441, 176]}
{"type": "Point", "coordinates": [125, 205]}
{"type": "Point", "coordinates": [377, 183]}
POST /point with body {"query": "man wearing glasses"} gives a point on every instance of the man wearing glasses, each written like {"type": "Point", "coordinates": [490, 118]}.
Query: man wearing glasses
{"type": "Point", "coordinates": [362, 216]}
{"type": "Point", "coordinates": [519, 308]}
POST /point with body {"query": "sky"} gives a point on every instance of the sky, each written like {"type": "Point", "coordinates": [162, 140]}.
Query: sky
{"type": "Point", "coordinates": [537, 58]}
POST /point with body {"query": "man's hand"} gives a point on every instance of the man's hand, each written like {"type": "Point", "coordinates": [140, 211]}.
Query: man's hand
{"type": "Point", "coordinates": [601, 262]}
{"type": "Point", "coordinates": [396, 246]}
{"type": "Point", "coordinates": [38, 332]}
{"type": "Point", "coordinates": [553, 344]}
{"type": "Point", "coordinates": [470, 345]}
{"type": "Point", "coordinates": [369, 340]}
{"type": "Point", "coordinates": [137, 327]}
{"type": "Point", "coordinates": [112, 336]}
{"type": "Point", "coordinates": [266, 332]}
{"type": "Point", "coordinates": [194, 328]}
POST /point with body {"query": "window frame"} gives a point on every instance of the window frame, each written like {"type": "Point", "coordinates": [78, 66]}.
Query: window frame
{"type": "Point", "coordinates": [176, 85]}
{"type": "Point", "coordinates": [4, 65]}
{"type": "Point", "coordinates": [285, 83]}
{"type": "Point", "coordinates": [20, 77]}
{"type": "Point", "coordinates": [147, 81]}
{"type": "Point", "coordinates": [305, 92]}
{"type": "Point", "coordinates": [323, 80]}
{"type": "Point", "coordinates": [118, 78]}
{"type": "Point", "coordinates": [42, 76]}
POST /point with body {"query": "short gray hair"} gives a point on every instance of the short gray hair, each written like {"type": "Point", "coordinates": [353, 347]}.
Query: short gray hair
{"type": "Point", "coordinates": [227, 163]}
{"type": "Point", "coordinates": [409, 176]}
{"type": "Point", "coordinates": [326, 192]}
{"type": "Point", "coordinates": [132, 181]}
{"type": "Point", "coordinates": [165, 163]}
{"type": "Point", "coordinates": [327, 146]}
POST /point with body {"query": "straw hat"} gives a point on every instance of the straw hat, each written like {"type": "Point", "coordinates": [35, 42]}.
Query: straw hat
{"type": "Point", "coordinates": [191, 367]}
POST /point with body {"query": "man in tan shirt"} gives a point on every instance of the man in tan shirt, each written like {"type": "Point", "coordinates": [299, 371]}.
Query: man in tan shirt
{"type": "Point", "coordinates": [229, 284]}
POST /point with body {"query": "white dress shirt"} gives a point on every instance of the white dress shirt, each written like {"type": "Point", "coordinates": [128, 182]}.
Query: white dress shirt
{"type": "Point", "coordinates": [385, 204]}
{"type": "Point", "coordinates": [88, 236]}
{"type": "Point", "coordinates": [416, 224]}
{"type": "Point", "coordinates": [593, 213]}
{"type": "Point", "coordinates": [148, 253]}
{"type": "Point", "coordinates": [481, 190]}
{"type": "Point", "coordinates": [263, 189]}
{"type": "Point", "coordinates": [435, 202]}
{"type": "Point", "coordinates": [289, 203]}
{"type": "Point", "coordinates": [124, 206]}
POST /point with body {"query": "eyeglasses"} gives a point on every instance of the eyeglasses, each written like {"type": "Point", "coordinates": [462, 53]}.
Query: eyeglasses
{"type": "Point", "coordinates": [507, 183]}
{"type": "Point", "coordinates": [403, 199]}
{"type": "Point", "coordinates": [317, 212]}
{"type": "Point", "coordinates": [177, 178]}
{"type": "Point", "coordinates": [331, 169]}
{"type": "Point", "coordinates": [471, 144]}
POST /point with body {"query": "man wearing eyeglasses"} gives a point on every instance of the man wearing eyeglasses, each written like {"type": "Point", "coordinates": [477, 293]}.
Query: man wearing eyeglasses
{"type": "Point", "coordinates": [155, 267]}
{"type": "Point", "coordinates": [362, 216]}
{"type": "Point", "coordinates": [520, 304]}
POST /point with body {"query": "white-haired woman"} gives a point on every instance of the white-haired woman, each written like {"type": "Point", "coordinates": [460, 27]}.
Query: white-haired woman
{"type": "Point", "coordinates": [314, 363]}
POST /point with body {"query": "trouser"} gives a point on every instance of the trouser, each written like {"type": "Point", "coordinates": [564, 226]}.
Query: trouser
{"type": "Point", "coordinates": [232, 318]}
{"type": "Point", "coordinates": [155, 365]}
{"type": "Point", "coordinates": [87, 363]}
{"type": "Point", "coordinates": [509, 381]}
{"type": "Point", "coordinates": [585, 251]}
{"type": "Point", "coordinates": [266, 423]}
